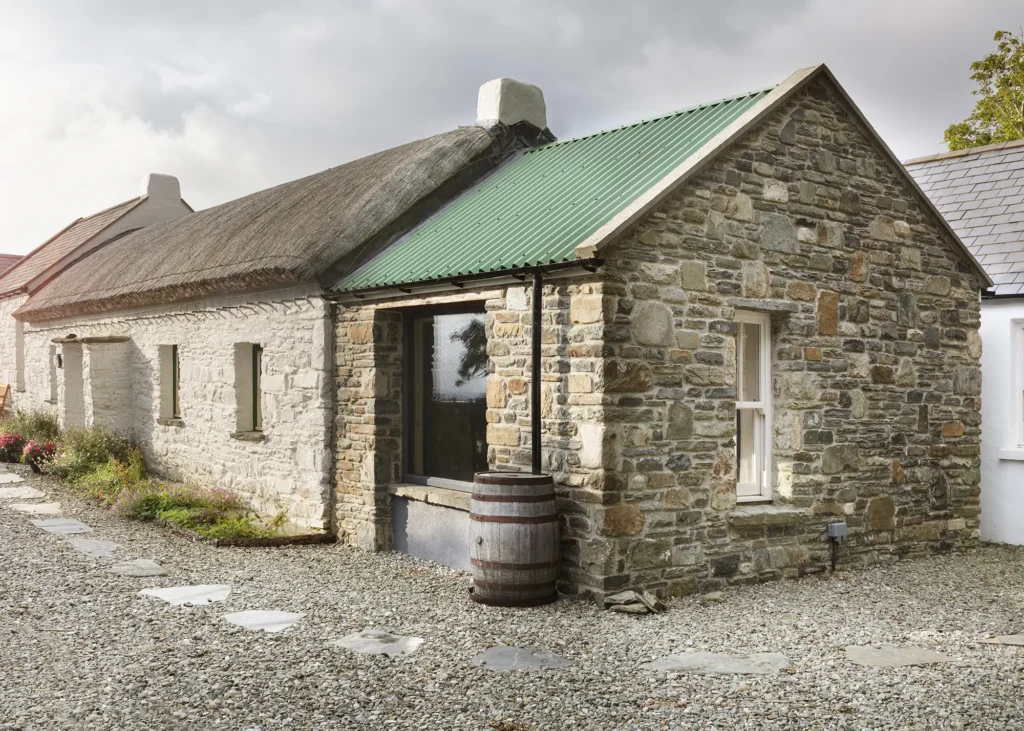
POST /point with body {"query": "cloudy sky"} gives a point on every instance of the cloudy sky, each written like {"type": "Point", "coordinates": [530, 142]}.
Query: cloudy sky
{"type": "Point", "coordinates": [233, 96]}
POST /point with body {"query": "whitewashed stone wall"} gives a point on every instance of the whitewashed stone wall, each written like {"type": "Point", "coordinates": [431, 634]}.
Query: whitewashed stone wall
{"type": "Point", "coordinates": [8, 345]}
{"type": "Point", "coordinates": [290, 470]}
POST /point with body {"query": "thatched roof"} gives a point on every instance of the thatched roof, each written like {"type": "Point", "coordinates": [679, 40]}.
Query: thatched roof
{"type": "Point", "coordinates": [292, 233]}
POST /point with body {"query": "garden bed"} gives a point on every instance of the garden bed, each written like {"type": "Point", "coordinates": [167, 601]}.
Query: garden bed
{"type": "Point", "coordinates": [109, 467]}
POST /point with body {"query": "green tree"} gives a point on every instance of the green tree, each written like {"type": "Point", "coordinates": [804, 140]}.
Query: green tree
{"type": "Point", "coordinates": [999, 114]}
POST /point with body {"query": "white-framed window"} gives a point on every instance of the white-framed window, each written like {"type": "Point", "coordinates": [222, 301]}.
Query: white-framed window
{"type": "Point", "coordinates": [1017, 373]}
{"type": "Point", "coordinates": [753, 406]}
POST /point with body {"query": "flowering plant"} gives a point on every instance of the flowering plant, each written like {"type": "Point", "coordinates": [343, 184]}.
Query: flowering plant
{"type": "Point", "coordinates": [10, 447]}
{"type": "Point", "coordinates": [36, 455]}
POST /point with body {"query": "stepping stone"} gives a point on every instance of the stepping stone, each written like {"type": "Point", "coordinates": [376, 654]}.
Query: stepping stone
{"type": "Point", "coordinates": [1017, 640]}
{"type": "Point", "coordinates": [892, 656]}
{"type": "Point", "coordinates": [62, 526]}
{"type": "Point", "coordinates": [138, 568]}
{"type": "Point", "coordinates": [714, 663]}
{"type": "Point", "coordinates": [94, 549]}
{"type": "Point", "coordinates": [376, 642]}
{"type": "Point", "coordinates": [266, 620]}
{"type": "Point", "coordinates": [195, 596]}
{"type": "Point", "coordinates": [10, 478]}
{"type": "Point", "coordinates": [503, 657]}
{"type": "Point", "coordinates": [20, 493]}
{"type": "Point", "coordinates": [37, 508]}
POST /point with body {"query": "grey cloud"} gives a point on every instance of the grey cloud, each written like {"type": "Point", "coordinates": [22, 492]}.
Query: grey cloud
{"type": "Point", "coordinates": [281, 89]}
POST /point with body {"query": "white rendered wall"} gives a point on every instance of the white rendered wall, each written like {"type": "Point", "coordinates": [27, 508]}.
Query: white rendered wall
{"type": "Point", "coordinates": [8, 344]}
{"type": "Point", "coordinates": [290, 470]}
{"type": "Point", "coordinates": [1002, 479]}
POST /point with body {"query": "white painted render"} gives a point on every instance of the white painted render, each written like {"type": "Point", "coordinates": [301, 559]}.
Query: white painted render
{"type": "Point", "coordinates": [507, 101]}
{"type": "Point", "coordinates": [119, 384]}
{"type": "Point", "coordinates": [1002, 454]}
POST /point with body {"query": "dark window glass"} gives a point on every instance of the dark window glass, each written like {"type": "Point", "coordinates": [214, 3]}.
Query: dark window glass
{"type": "Point", "coordinates": [175, 384]}
{"type": "Point", "coordinates": [257, 388]}
{"type": "Point", "coordinates": [448, 392]}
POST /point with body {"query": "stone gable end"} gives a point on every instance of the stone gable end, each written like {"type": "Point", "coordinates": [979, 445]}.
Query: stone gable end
{"type": "Point", "coordinates": [875, 374]}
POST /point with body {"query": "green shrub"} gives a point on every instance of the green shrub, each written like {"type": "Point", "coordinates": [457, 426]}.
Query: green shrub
{"type": "Point", "coordinates": [39, 426]}
{"type": "Point", "coordinates": [212, 512]}
{"type": "Point", "coordinates": [106, 482]}
{"type": "Point", "coordinates": [83, 449]}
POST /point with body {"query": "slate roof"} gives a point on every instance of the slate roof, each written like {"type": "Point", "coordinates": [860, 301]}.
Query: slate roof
{"type": "Point", "coordinates": [7, 261]}
{"type": "Point", "coordinates": [980, 192]}
{"type": "Point", "coordinates": [60, 245]}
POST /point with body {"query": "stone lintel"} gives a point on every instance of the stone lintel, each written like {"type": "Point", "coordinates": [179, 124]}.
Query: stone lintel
{"type": "Point", "coordinates": [92, 340]}
{"type": "Point", "coordinates": [774, 306]}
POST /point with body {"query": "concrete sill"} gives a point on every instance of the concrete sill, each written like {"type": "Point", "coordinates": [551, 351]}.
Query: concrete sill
{"type": "Point", "coordinates": [1014, 454]}
{"type": "Point", "coordinates": [442, 496]}
{"type": "Point", "coordinates": [170, 422]}
{"type": "Point", "coordinates": [248, 436]}
{"type": "Point", "coordinates": [765, 515]}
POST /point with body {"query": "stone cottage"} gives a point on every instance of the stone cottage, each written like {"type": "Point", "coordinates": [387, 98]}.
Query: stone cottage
{"type": "Point", "coordinates": [34, 384]}
{"type": "Point", "coordinates": [209, 336]}
{"type": "Point", "coordinates": [754, 325]}
{"type": "Point", "coordinates": [980, 191]}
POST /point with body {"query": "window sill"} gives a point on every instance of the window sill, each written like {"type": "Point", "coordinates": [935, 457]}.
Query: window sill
{"type": "Point", "coordinates": [177, 421]}
{"type": "Point", "coordinates": [51, 401]}
{"type": "Point", "coordinates": [442, 496]}
{"type": "Point", "coordinates": [1013, 454]}
{"type": "Point", "coordinates": [248, 436]}
{"type": "Point", "coordinates": [753, 499]}
{"type": "Point", "coordinates": [751, 516]}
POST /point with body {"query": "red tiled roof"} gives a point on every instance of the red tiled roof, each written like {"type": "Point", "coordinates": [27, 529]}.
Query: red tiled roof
{"type": "Point", "coordinates": [7, 261]}
{"type": "Point", "coordinates": [60, 245]}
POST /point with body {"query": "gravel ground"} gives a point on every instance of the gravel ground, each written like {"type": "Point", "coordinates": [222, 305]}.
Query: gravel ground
{"type": "Point", "coordinates": [79, 649]}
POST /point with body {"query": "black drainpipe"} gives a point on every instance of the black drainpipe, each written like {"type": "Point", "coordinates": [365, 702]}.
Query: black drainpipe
{"type": "Point", "coordinates": [538, 293]}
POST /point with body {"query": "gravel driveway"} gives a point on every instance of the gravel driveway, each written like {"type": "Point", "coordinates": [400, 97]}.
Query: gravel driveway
{"type": "Point", "coordinates": [80, 649]}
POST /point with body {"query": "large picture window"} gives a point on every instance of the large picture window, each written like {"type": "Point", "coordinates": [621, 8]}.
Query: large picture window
{"type": "Point", "coordinates": [753, 406]}
{"type": "Point", "coordinates": [446, 383]}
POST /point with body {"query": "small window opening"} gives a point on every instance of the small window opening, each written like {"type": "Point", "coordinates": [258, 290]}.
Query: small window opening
{"type": "Point", "coordinates": [170, 382]}
{"type": "Point", "coordinates": [753, 406]}
{"type": "Point", "coordinates": [249, 387]}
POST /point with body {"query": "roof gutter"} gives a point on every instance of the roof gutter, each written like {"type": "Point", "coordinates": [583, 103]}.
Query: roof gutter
{"type": "Point", "coordinates": [515, 275]}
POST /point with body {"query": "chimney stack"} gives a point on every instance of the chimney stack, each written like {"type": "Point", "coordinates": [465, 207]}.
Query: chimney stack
{"type": "Point", "coordinates": [509, 102]}
{"type": "Point", "coordinates": [161, 187]}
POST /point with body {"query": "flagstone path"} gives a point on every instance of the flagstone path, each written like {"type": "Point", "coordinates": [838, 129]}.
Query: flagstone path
{"type": "Point", "coordinates": [376, 642]}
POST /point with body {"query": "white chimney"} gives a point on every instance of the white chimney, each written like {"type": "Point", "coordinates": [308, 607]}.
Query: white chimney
{"type": "Point", "coordinates": [161, 187]}
{"type": "Point", "coordinates": [507, 101]}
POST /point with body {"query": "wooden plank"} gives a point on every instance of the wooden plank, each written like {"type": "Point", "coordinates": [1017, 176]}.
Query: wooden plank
{"type": "Point", "coordinates": [5, 392]}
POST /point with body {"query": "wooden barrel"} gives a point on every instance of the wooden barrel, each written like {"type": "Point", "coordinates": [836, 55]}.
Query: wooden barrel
{"type": "Point", "coordinates": [513, 540]}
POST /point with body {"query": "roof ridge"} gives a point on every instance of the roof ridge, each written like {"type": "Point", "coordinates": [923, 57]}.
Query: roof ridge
{"type": "Point", "coordinates": [656, 118]}
{"type": "Point", "coordinates": [994, 147]}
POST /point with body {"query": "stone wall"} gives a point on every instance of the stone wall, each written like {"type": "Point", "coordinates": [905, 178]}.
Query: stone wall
{"type": "Point", "coordinates": [875, 363]}
{"type": "Point", "coordinates": [369, 426]}
{"type": "Point", "coordinates": [876, 381]}
{"type": "Point", "coordinates": [368, 362]}
{"type": "Point", "coordinates": [290, 469]}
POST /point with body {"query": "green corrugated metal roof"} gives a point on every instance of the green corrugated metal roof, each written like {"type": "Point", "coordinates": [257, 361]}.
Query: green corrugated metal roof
{"type": "Point", "coordinates": [538, 207]}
